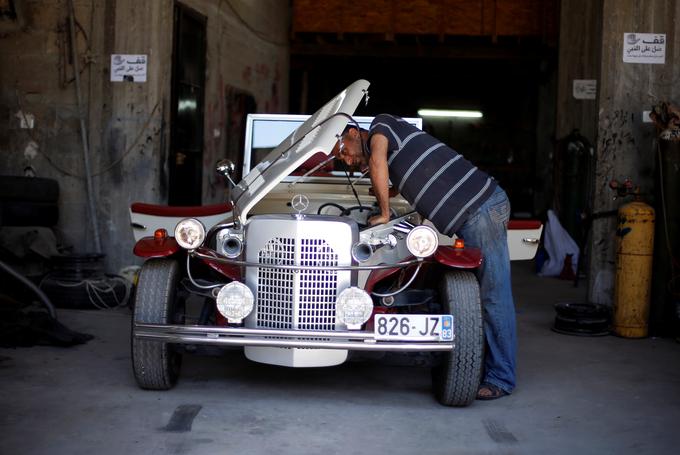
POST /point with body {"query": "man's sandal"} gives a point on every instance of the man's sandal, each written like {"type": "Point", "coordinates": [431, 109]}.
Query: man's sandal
{"type": "Point", "coordinates": [488, 391]}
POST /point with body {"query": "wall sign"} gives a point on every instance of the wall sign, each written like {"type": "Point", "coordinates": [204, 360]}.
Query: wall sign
{"type": "Point", "coordinates": [584, 89]}
{"type": "Point", "coordinates": [128, 67]}
{"type": "Point", "coordinates": [644, 48]}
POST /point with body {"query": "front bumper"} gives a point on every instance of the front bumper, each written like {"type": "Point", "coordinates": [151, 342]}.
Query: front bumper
{"type": "Point", "coordinates": [237, 336]}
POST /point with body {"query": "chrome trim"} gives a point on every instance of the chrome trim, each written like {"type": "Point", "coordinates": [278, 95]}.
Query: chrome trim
{"type": "Point", "coordinates": [224, 260]}
{"type": "Point", "coordinates": [213, 230]}
{"type": "Point", "coordinates": [236, 336]}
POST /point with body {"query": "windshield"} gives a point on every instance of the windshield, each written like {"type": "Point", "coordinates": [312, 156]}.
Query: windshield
{"type": "Point", "coordinates": [265, 131]}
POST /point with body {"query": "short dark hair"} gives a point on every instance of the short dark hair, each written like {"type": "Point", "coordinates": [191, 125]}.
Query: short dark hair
{"type": "Point", "coordinates": [351, 126]}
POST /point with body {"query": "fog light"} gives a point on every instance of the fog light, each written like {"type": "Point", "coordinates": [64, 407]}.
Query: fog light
{"type": "Point", "coordinates": [235, 301]}
{"type": "Point", "coordinates": [354, 306]}
{"type": "Point", "coordinates": [190, 233]}
{"type": "Point", "coordinates": [422, 241]}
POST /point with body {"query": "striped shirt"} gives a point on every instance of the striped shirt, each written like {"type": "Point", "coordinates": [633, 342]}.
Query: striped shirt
{"type": "Point", "coordinates": [439, 183]}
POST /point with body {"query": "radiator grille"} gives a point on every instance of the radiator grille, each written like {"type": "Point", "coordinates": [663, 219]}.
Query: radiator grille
{"type": "Point", "coordinates": [309, 307]}
{"type": "Point", "coordinates": [275, 286]}
{"type": "Point", "coordinates": [318, 288]}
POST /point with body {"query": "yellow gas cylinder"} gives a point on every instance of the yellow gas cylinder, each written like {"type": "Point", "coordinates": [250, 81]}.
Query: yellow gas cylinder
{"type": "Point", "coordinates": [634, 250]}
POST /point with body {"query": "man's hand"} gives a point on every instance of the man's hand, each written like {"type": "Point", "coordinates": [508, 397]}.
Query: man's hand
{"type": "Point", "coordinates": [378, 219]}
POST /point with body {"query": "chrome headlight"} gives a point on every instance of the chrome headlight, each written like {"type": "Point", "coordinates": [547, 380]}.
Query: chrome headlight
{"type": "Point", "coordinates": [353, 307]}
{"type": "Point", "coordinates": [422, 241]}
{"type": "Point", "coordinates": [190, 233]}
{"type": "Point", "coordinates": [235, 301]}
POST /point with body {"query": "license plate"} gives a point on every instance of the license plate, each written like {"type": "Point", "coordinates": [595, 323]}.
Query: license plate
{"type": "Point", "coordinates": [415, 327]}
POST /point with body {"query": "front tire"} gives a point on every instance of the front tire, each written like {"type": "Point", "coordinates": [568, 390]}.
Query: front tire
{"type": "Point", "coordinates": [156, 364]}
{"type": "Point", "coordinates": [455, 382]}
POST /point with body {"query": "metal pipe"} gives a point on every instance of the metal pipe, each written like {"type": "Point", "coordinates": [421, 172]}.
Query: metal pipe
{"type": "Point", "coordinates": [83, 132]}
{"type": "Point", "coordinates": [41, 295]}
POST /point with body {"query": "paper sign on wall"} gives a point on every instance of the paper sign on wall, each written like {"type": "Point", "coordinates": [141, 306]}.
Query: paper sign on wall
{"type": "Point", "coordinates": [644, 48]}
{"type": "Point", "coordinates": [584, 89]}
{"type": "Point", "coordinates": [128, 67]}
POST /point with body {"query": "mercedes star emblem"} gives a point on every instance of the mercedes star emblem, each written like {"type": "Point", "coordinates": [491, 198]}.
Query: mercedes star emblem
{"type": "Point", "coordinates": [300, 202]}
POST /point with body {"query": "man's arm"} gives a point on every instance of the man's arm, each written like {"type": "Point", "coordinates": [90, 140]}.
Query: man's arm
{"type": "Point", "coordinates": [380, 178]}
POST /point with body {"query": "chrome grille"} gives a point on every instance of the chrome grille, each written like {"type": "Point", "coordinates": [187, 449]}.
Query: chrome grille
{"type": "Point", "coordinates": [275, 286]}
{"type": "Point", "coordinates": [317, 289]}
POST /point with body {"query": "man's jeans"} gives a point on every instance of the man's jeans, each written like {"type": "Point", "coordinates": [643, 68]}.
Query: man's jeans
{"type": "Point", "coordinates": [486, 229]}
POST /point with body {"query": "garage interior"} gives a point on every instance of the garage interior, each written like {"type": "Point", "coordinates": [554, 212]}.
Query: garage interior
{"type": "Point", "coordinates": [565, 129]}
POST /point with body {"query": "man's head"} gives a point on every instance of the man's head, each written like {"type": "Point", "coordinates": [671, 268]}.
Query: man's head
{"type": "Point", "coordinates": [349, 148]}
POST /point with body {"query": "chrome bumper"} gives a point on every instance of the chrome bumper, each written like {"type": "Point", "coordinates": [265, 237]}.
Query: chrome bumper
{"type": "Point", "coordinates": [237, 336]}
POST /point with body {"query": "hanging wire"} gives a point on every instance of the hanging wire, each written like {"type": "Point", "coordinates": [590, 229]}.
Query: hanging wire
{"type": "Point", "coordinates": [97, 290]}
{"type": "Point", "coordinates": [253, 30]}
{"type": "Point", "coordinates": [106, 168]}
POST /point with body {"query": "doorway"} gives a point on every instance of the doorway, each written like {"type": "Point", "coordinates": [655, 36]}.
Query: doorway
{"type": "Point", "coordinates": [186, 119]}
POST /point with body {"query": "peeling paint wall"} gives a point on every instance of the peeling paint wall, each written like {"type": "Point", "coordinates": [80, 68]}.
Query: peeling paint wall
{"type": "Point", "coordinates": [248, 51]}
{"type": "Point", "coordinates": [128, 123]}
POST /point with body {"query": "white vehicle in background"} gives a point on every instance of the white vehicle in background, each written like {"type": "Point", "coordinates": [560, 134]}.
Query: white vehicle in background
{"type": "Point", "coordinates": [294, 276]}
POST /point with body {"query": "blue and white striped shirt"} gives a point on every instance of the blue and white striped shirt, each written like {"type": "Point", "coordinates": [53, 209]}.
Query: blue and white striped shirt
{"type": "Point", "coordinates": [437, 181]}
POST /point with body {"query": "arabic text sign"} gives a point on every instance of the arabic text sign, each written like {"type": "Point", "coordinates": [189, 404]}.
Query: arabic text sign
{"type": "Point", "coordinates": [584, 89]}
{"type": "Point", "coordinates": [644, 48]}
{"type": "Point", "coordinates": [126, 67]}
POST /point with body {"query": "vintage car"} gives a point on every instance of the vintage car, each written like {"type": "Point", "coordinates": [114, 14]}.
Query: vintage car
{"type": "Point", "coordinates": [293, 274]}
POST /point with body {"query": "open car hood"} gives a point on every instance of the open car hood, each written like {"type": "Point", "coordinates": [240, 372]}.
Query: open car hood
{"type": "Point", "coordinates": [318, 134]}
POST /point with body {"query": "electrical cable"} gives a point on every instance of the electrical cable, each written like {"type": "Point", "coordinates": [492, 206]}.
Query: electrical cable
{"type": "Point", "coordinates": [253, 30]}
{"type": "Point", "coordinates": [95, 289]}
{"type": "Point", "coordinates": [356, 195]}
{"type": "Point", "coordinates": [37, 142]}
{"type": "Point", "coordinates": [36, 289]}
{"type": "Point", "coordinates": [191, 278]}
{"type": "Point", "coordinates": [331, 204]}
{"type": "Point", "coordinates": [106, 168]}
{"type": "Point", "coordinates": [84, 138]}
{"type": "Point", "coordinates": [130, 148]}
{"type": "Point", "coordinates": [401, 289]}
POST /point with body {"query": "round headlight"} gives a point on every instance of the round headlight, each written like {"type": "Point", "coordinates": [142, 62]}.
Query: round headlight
{"type": "Point", "coordinates": [353, 307]}
{"type": "Point", "coordinates": [235, 301]}
{"type": "Point", "coordinates": [189, 233]}
{"type": "Point", "coordinates": [422, 241]}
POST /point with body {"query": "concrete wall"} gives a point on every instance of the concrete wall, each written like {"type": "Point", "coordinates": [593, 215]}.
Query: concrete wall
{"type": "Point", "coordinates": [591, 47]}
{"type": "Point", "coordinates": [128, 122]}
{"type": "Point", "coordinates": [626, 146]}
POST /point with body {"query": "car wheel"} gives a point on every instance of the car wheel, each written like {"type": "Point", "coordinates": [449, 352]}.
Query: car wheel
{"type": "Point", "coordinates": [156, 364]}
{"type": "Point", "coordinates": [456, 380]}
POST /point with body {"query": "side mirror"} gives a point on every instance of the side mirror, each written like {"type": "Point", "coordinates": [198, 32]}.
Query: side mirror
{"type": "Point", "coordinates": [225, 168]}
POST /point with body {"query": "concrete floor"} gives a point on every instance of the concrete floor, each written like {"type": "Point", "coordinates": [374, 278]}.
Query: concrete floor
{"type": "Point", "coordinates": [575, 395]}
